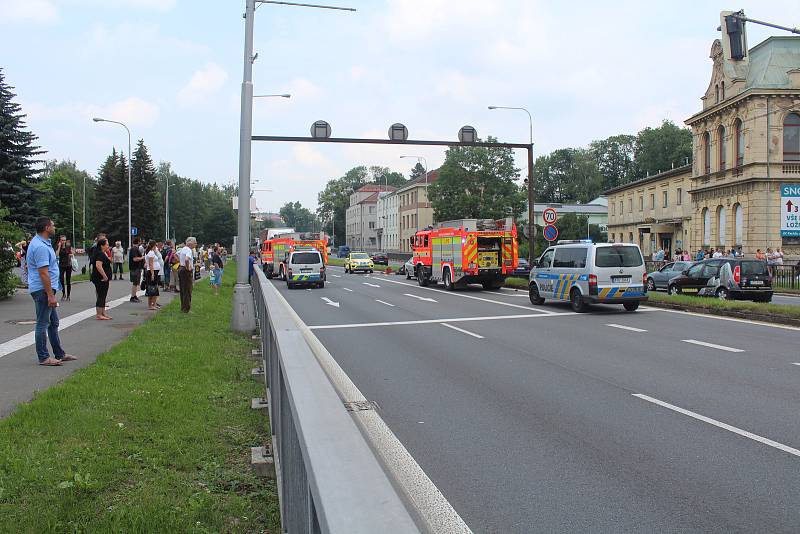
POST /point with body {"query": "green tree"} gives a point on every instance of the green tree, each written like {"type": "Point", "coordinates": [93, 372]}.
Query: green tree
{"type": "Point", "coordinates": [567, 175]}
{"type": "Point", "coordinates": [614, 158]}
{"type": "Point", "coordinates": [659, 149]}
{"type": "Point", "coordinates": [298, 217]}
{"type": "Point", "coordinates": [145, 195]}
{"type": "Point", "coordinates": [10, 234]}
{"type": "Point", "coordinates": [18, 159]}
{"type": "Point", "coordinates": [417, 171]}
{"type": "Point", "coordinates": [477, 182]}
{"type": "Point", "coordinates": [384, 176]}
{"type": "Point", "coordinates": [570, 226]}
{"type": "Point", "coordinates": [60, 180]}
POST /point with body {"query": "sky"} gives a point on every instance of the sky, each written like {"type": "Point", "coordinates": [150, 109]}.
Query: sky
{"type": "Point", "coordinates": [172, 71]}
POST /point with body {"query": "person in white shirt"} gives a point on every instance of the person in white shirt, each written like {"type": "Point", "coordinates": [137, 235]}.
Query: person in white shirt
{"type": "Point", "coordinates": [160, 258]}
{"type": "Point", "coordinates": [186, 273]}
{"type": "Point", "coordinates": [152, 267]}
{"type": "Point", "coordinates": [118, 254]}
{"type": "Point", "coordinates": [717, 254]}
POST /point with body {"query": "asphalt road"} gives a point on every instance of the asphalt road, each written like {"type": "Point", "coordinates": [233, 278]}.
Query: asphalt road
{"type": "Point", "coordinates": [537, 419]}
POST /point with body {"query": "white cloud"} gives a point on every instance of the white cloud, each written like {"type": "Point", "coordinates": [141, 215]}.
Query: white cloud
{"type": "Point", "coordinates": [203, 84]}
{"type": "Point", "coordinates": [133, 111]}
{"type": "Point", "coordinates": [303, 89]}
{"type": "Point", "coordinates": [36, 11]}
{"type": "Point", "coordinates": [154, 5]}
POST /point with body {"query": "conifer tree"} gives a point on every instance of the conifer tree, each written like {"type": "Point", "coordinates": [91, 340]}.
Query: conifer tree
{"type": "Point", "coordinates": [18, 157]}
{"type": "Point", "coordinates": [146, 198]}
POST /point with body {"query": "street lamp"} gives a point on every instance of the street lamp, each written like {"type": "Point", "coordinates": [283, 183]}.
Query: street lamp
{"type": "Point", "coordinates": [425, 164]}
{"type": "Point", "coordinates": [130, 236]}
{"type": "Point", "coordinates": [531, 223]}
{"type": "Point", "coordinates": [285, 95]}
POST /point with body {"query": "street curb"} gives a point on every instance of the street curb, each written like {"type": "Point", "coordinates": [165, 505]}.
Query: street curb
{"type": "Point", "coordinates": [743, 314]}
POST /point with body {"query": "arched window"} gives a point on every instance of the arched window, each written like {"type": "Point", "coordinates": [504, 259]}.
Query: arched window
{"type": "Point", "coordinates": [738, 142]}
{"type": "Point", "coordinates": [723, 90]}
{"type": "Point", "coordinates": [707, 153]}
{"type": "Point", "coordinates": [791, 137]}
{"type": "Point", "coordinates": [738, 221]}
{"type": "Point", "coordinates": [716, 94]}
{"type": "Point", "coordinates": [706, 226]}
{"type": "Point", "coordinates": [721, 225]}
{"type": "Point", "coordinates": [722, 145]}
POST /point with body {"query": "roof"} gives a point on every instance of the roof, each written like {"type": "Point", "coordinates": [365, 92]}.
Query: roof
{"type": "Point", "coordinates": [770, 61]}
{"type": "Point", "coordinates": [372, 198]}
{"type": "Point", "coordinates": [656, 177]}
{"type": "Point", "coordinates": [369, 188]}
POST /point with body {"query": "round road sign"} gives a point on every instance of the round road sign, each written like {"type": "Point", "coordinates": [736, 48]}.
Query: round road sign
{"type": "Point", "coordinates": [550, 232]}
{"type": "Point", "coordinates": [320, 129]}
{"type": "Point", "coordinates": [549, 216]}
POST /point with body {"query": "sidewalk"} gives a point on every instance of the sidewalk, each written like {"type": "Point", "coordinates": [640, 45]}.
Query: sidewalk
{"type": "Point", "coordinates": [81, 335]}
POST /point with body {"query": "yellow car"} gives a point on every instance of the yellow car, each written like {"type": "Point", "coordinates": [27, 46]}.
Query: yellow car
{"type": "Point", "coordinates": [358, 261]}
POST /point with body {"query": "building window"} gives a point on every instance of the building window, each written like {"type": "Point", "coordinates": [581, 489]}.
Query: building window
{"type": "Point", "coordinates": [722, 86]}
{"type": "Point", "coordinates": [706, 226]}
{"type": "Point", "coordinates": [679, 197]}
{"type": "Point", "coordinates": [721, 134]}
{"type": "Point", "coordinates": [630, 237]}
{"type": "Point", "coordinates": [722, 222]}
{"type": "Point", "coordinates": [664, 198]}
{"type": "Point", "coordinates": [630, 205]}
{"type": "Point", "coordinates": [612, 238]}
{"type": "Point", "coordinates": [738, 222]}
{"type": "Point", "coordinates": [372, 225]}
{"type": "Point", "coordinates": [716, 94]}
{"type": "Point", "coordinates": [738, 131]}
{"type": "Point", "coordinates": [652, 201]}
{"type": "Point", "coordinates": [791, 137]}
{"type": "Point", "coordinates": [620, 208]}
{"type": "Point", "coordinates": [613, 208]}
{"type": "Point", "coordinates": [707, 153]}
{"type": "Point", "coordinates": [641, 203]}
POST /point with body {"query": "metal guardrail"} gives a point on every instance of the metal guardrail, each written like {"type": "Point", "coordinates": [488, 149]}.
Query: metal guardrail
{"type": "Point", "coordinates": [329, 479]}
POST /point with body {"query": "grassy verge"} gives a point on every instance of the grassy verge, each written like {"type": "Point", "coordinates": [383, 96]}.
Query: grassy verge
{"type": "Point", "coordinates": [153, 437]}
{"type": "Point", "coordinates": [716, 305]}
{"type": "Point", "coordinates": [517, 283]}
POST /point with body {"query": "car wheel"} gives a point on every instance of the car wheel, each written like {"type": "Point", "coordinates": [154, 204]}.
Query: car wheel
{"type": "Point", "coordinates": [289, 285]}
{"type": "Point", "coordinates": [630, 306]}
{"type": "Point", "coordinates": [370, 271]}
{"type": "Point", "coordinates": [448, 281]}
{"type": "Point", "coordinates": [408, 275]}
{"type": "Point", "coordinates": [422, 277]}
{"type": "Point", "coordinates": [674, 290]}
{"type": "Point", "coordinates": [533, 294]}
{"type": "Point", "coordinates": [765, 299]}
{"type": "Point", "coordinates": [651, 284]}
{"type": "Point", "coordinates": [722, 293]}
{"type": "Point", "coordinates": [576, 301]}
{"type": "Point", "coordinates": [321, 285]}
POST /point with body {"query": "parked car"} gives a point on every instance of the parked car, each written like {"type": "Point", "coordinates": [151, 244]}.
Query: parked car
{"type": "Point", "coordinates": [751, 280]}
{"type": "Point", "coordinates": [358, 261]}
{"type": "Point", "coordinates": [408, 269]}
{"type": "Point", "coordinates": [523, 269]}
{"type": "Point", "coordinates": [344, 250]}
{"type": "Point", "coordinates": [380, 258]}
{"type": "Point", "coordinates": [659, 279]}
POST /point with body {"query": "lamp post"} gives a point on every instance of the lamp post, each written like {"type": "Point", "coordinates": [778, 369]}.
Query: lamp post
{"type": "Point", "coordinates": [98, 119]}
{"type": "Point", "coordinates": [531, 197]}
{"type": "Point", "coordinates": [425, 164]}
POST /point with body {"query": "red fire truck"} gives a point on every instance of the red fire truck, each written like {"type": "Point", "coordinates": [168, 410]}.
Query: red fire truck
{"type": "Point", "coordinates": [275, 251]}
{"type": "Point", "coordinates": [466, 251]}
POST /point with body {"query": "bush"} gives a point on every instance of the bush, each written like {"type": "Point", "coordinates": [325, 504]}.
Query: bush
{"type": "Point", "coordinates": [9, 234]}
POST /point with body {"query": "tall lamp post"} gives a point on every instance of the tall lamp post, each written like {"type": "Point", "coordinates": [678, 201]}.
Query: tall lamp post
{"type": "Point", "coordinates": [98, 119]}
{"type": "Point", "coordinates": [424, 164]}
{"type": "Point", "coordinates": [531, 198]}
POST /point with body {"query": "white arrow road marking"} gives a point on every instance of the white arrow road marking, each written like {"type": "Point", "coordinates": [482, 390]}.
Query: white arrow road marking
{"type": "Point", "coordinates": [623, 327]}
{"type": "Point", "coordinates": [382, 302]}
{"type": "Point", "coordinates": [370, 285]}
{"type": "Point", "coordinates": [750, 435]}
{"type": "Point", "coordinates": [418, 297]}
{"type": "Point", "coordinates": [711, 345]}
{"type": "Point", "coordinates": [330, 302]}
{"type": "Point", "coordinates": [473, 334]}
{"type": "Point", "coordinates": [347, 289]}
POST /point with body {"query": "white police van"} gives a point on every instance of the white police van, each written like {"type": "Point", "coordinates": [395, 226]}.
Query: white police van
{"type": "Point", "coordinates": [305, 266]}
{"type": "Point", "coordinates": [582, 272]}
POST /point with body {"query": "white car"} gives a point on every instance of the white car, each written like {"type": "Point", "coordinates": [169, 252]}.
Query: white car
{"type": "Point", "coordinates": [305, 267]}
{"type": "Point", "coordinates": [408, 267]}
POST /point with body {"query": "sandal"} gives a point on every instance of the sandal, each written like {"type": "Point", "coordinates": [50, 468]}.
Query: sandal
{"type": "Point", "coordinates": [50, 362]}
{"type": "Point", "coordinates": [67, 358]}
{"type": "Point", "coordinates": [103, 318]}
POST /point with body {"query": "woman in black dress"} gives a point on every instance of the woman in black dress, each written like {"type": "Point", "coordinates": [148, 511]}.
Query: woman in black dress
{"type": "Point", "coordinates": [64, 252]}
{"type": "Point", "coordinates": [102, 269]}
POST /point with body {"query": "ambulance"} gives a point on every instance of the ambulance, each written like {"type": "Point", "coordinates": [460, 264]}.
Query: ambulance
{"type": "Point", "coordinates": [275, 251]}
{"type": "Point", "coordinates": [465, 251]}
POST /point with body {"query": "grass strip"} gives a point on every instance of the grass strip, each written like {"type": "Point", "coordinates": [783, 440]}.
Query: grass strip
{"type": "Point", "coordinates": [517, 283]}
{"type": "Point", "coordinates": [155, 436]}
{"type": "Point", "coordinates": [713, 304]}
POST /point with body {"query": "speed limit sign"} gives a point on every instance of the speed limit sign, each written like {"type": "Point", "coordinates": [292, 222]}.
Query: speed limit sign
{"type": "Point", "coordinates": [549, 216]}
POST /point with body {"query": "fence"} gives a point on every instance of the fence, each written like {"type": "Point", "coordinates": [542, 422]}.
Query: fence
{"type": "Point", "coordinates": [329, 479]}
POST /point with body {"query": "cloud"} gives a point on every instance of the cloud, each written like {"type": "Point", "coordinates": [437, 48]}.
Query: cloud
{"type": "Point", "coordinates": [203, 84]}
{"type": "Point", "coordinates": [303, 89]}
{"type": "Point", "coordinates": [133, 111]}
{"type": "Point", "coordinates": [36, 11]}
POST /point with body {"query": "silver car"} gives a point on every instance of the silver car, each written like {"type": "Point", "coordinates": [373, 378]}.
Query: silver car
{"type": "Point", "coordinates": [660, 278]}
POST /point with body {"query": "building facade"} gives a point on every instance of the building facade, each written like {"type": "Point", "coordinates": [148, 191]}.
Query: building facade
{"type": "Point", "coordinates": [746, 145]}
{"type": "Point", "coordinates": [388, 224]}
{"type": "Point", "coordinates": [415, 211]}
{"type": "Point", "coordinates": [361, 217]}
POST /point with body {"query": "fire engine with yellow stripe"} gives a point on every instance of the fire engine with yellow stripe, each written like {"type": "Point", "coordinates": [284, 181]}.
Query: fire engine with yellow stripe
{"type": "Point", "coordinates": [466, 251]}
{"type": "Point", "coordinates": [275, 251]}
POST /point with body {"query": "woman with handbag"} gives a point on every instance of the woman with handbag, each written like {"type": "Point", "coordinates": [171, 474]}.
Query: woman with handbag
{"type": "Point", "coordinates": [65, 257]}
{"type": "Point", "coordinates": [152, 267]}
{"type": "Point", "coordinates": [101, 270]}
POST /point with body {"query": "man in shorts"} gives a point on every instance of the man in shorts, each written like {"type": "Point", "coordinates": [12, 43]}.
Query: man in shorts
{"type": "Point", "coordinates": [135, 266]}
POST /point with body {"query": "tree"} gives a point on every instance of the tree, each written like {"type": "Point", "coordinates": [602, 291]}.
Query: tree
{"type": "Point", "coordinates": [18, 154]}
{"type": "Point", "coordinates": [60, 181]}
{"type": "Point", "coordinates": [659, 149]}
{"type": "Point", "coordinates": [477, 182]}
{"type": "Point", "coordinates": [385, 176]}
{"type": "Point", "coordinates": [10, 234]}
{"type": "Point", "coordinates": [570, 226]}
{"type": "Point", "coordinates": [567, 175]}
{"type": "Point", "coordinates": [145, 195]}
{"type": "Point", "coordinates": [298, 217]}
{"type": "Point", "coordinates": [614, 158]}
{"type": "Point", "coordinates": [417, 171]}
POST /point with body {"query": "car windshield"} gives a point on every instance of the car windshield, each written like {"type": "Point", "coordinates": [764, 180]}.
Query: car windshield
{"type": "Point", "coordinates": [359, 256]}
{"type": "Point", "coordinates": [618, 257]}
{"type": "Point", "coordinates": [753, 267]}
{"type": "Point", "coordinates": [306, 257]}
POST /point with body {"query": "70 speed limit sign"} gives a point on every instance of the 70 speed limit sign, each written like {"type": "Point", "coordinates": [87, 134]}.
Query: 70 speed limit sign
{"type": "Point", "coordinates": [549, 216]}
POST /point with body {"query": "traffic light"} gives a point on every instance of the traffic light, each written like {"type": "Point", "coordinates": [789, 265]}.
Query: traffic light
{"type": "Point", "coordinates": [734, 28]}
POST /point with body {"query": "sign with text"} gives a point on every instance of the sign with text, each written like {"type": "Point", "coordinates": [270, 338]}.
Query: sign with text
{"type": "Point", "coordinates": [550, 216]}
{"type": "Point", "coordinates": [790, 210]}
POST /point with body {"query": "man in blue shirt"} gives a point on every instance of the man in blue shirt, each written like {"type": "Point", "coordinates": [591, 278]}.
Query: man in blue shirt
{"type": "Point", "coordinates": [43, 284]}
{"type": "Point", "coordinates": [251, 261]}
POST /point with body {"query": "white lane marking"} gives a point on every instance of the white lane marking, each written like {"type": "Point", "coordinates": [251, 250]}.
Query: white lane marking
{"type": "Point", "coordinates": [382, 302]}
{"type": "Point", "coordinates": [711, 345]}
{"type": "Point", "coordinates": [473, 334]}
{"type": "Point", "coordinates": [26, 340]}
{"type": "Point", "coordinates": [432, 321]}
{"type": "Point", "coordinates": [623, 327]}
{"type": "Point", "coordinates": [347, 289]}
{"type": "Point", "coordinates": [473, 297]}
{"type": "Point", "coordinates": [370, 285]}
{"type": "Point", "coordinates": [725, 426]}
{"type": "Point", "coordinates": [734, 319]}
{"type": "Point", "coordinates": [795, 363]}
{"type": "Point", "coordinates": [426, 299]}
{"type": "Point", "coordinates": [308, 289]}
{"type": "Point", "coordinates": [329, 302]}
{"type": "Point", "coordinates": [336, 275]}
